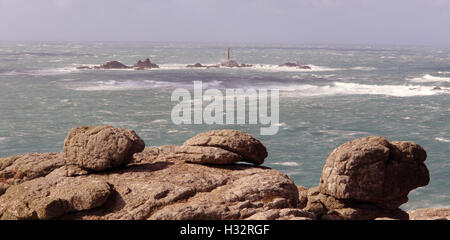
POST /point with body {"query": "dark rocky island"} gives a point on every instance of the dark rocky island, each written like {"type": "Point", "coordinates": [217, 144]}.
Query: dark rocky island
{"type": "Point", "coordinates": [140, 65]}
{"type": "Point", "coordinates": [107, 173]}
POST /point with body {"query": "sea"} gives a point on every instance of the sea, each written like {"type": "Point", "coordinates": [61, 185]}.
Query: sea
{"type": "Point", "coordinates": [351, 91]}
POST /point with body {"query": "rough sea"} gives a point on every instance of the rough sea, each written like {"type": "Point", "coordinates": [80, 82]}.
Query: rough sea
{"type": "Point", "coordinates": [350, 92]}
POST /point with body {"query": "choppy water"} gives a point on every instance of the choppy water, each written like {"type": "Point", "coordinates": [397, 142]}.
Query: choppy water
{"type": "Point", "coordinates": [351, 92]}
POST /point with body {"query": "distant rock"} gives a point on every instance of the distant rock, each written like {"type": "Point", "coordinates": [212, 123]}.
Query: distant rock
{"type": "Point", "coordinates": [234, 141]}
{"type": "Point", "coordinates": [100, 148]}
{"type": "Point", "coordinates": [296, 65]}
{"type": "Point", "coordinates": [145, 64]}
{"type": "Point", "coordinates": [83, 67]}
{"type": "Point", "coordinates": [230, 64]}
{"type": "Point", "coordinates": [197, 65]}
{"type": "Point", "coordinates": [140, 65]}
{"type": "Point", "coordinates": [304, 67]}
{"type": "Point", "coordinates": [289, 64]}
{"type": "Point", "coordinates": [112, 65]}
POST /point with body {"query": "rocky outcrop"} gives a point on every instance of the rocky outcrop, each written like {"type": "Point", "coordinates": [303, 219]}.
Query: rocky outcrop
{"type": "Point", "coordinates": [106, 173]}
{"type": "Point", "coordinates": [375, 171]}
{"type": "Point", "coordinates": [294, 65]}
{"type": "Point", "coordinates": [147, 64]}
{"type": "Point", "coordinates": [100, 148]}
{"type": "Point", "coordinates": [368, 178]}
{"type": "Point", "coordinates": [238, 142]}
{"type": "Point", "coordinates": [167, 182]}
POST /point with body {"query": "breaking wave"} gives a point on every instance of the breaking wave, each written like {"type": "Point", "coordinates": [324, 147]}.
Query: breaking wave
{"type": "Point", "coordinates": [114, 85]}
{"type": "Point", "coordinates": [342, 88]}
{"type": "Point", "coordinates": [287, 164]}
{"type": "Point", "coordinates": [442, 140]}
{"type": "Point", "coordinates": [40, 72]}
{"type": "Point", "coordinates": [430, 78]}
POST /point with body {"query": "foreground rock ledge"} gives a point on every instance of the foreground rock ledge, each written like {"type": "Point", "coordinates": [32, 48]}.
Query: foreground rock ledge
{"type": "Point", "coordinates": [99, 177]}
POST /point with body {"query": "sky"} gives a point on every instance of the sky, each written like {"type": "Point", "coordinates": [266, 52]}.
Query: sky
{"type": "Point", "coordinates": [375, 22]}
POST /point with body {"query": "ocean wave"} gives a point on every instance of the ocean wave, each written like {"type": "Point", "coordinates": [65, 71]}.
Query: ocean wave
{"type": "Point", "coordinates": [2, 139]}
{"type": "Point", "coordinates": [160, 121]}
{"type": "Point", "coordinates": [302, 90]}
{"type": "Point", "coordinates": [363, 68]}
{"type": "Point", "coordinates": [277, 68]}
{"type": "Point", "coordinates": [287, 164]}
{"type": "Point", "coordinates": [256, 67]}
{"type": "Point", "coordinates": [40, 72]}
{"type": "Point", "coordinates": [442, 140]}
{"type": "Point", "coordinates": [430, 78]}
{"type": "Point", "coordinates": [116, 85]}
{"type": "Point", "coordinates": [343, 88]}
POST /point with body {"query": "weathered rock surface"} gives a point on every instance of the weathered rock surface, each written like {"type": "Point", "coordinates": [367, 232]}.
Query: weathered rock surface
{"type": "Point", "coordinates": [234, 141]}
{"type": "Point", "coordinates": [429, 214]}
{"type": "Point", "coordinates": [283, 214]}
{"type": "Point", "coordinates": [100, 148]}
{"type": "Point", "coordinates": [205, 155]}
{"type": "Point", "coordinates": [302, 197]}
{"type": "Point", "coordinates": [375, 171]}
{"type": "Point", "coordinates": [17, 169]}
{"type": "Point", "coordinates": [328, 207]}
{"type": "Point", "coordinates": [52, 196]}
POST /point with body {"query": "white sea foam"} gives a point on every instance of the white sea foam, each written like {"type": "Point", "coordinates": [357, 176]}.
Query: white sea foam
{"type": "Point", "coordinates": [159, 121]}
{"type": "Point", "coordinates": [342, 88]}
{"type": "Point", "coordinates": [41, 72]}
{"type": "Point", "coordinates": [277, 68]}
{"type": "Point", "coordinates": [287, 164]}
{"type": "Point", "coordinates": [2, 139]}
{"type": "Point", "coordinates": [364, 68]}
{"type": "Point", "coordinates": [442, 140]}
{"type": "Point", "coordinates": [430, 78]}
{"type": "Point", "coordinates": [115, 85]}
